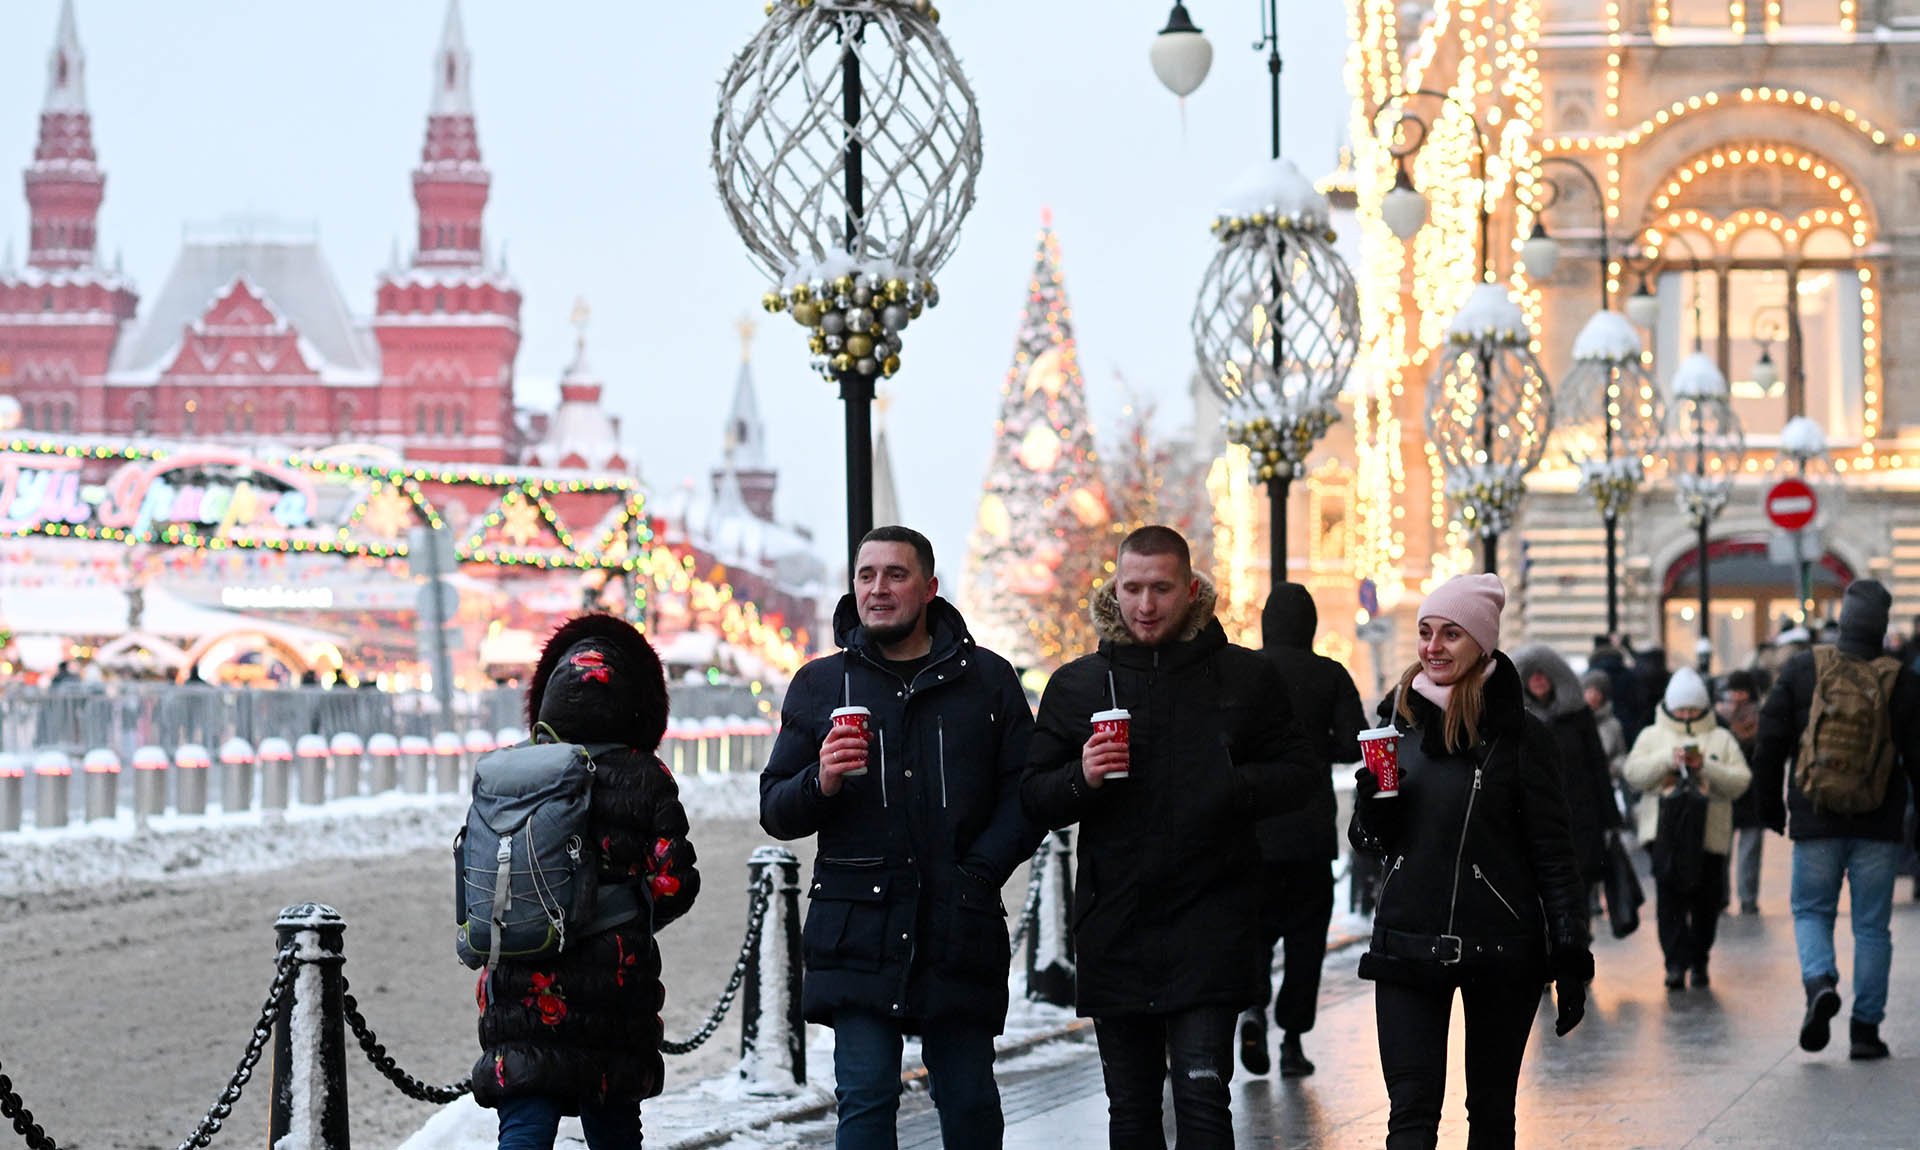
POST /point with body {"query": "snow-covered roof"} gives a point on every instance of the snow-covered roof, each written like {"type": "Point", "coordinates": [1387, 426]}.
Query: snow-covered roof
{"type": "Point", "coordinates": [1490, 310]}
{"type": "Point", "coordinates": [74, 611]}
{"type": "Point", "coordinates": [1698, 377]}
{"type": "Point", "coordinates": [1277, 188]}
{"type": "Point", "coordinates": [66, 67]}
{"type": "Point", "coordinates": [291, 272]}
{"type": "Point", "coordinates": [722, 525]}
{"type": "Point", "coordinates": [585, 430]}
{"type": "Point", "coordinates": [1608, 336]}
{"type": "Point", "coordinates": [1803, 437]}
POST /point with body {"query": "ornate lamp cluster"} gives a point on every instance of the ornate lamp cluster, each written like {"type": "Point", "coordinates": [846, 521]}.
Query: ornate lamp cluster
{"type": "Point", "coordinates": [1488, 409]}
{"type": "Point", "coordinates": [1704, 444]}
{"type": "Point", "coordinates": [1608, 412]}
{"type": "Point", "coordinates": [854, 319]}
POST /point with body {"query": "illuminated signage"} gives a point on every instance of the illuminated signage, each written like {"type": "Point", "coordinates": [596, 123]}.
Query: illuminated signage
{"type": "Point", "coordinates": [217, 494]}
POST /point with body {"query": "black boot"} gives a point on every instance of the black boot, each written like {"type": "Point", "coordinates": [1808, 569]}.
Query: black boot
{"type": "Point", "coordinates": [1676, 978]}
{"type": "Point", "coordinates": [1253, 1043]}
{"type": "Point", "coordinates": [1823, 1002]}
{"type": "Point", "coordinates": [1293, 1060]}
{"type": "Point", "coordinates": [1866, 1044]}
{"type": "Point", "coordinates": [1700, 978]}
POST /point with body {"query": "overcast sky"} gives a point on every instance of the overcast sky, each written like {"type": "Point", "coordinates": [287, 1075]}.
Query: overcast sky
{"type": "Point", "coordinates": [594, 117]}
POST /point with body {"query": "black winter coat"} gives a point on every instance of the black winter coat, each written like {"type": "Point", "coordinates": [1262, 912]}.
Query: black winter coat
{"type": "Point", "coordinates": [1783, 718]}
{"type": "Point", "coordinates": [904, 917]}
{"type": "Point", "coordinates": [1165, 911]}
{"type": "Point", "coordinates": [1630, 703]}
{"type": "Point", "coordinates": [1585, 778]}
{"type": "Point", "coordinates": [1327, 706]}
{"type": "Point", "coordinates": [584, 1026]}
{"type": "Point", "coordinates": [1482, 852]}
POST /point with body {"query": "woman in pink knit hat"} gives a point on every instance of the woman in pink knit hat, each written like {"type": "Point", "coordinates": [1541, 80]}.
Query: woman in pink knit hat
{"type": "Point", "coordinates": [1481, 895]}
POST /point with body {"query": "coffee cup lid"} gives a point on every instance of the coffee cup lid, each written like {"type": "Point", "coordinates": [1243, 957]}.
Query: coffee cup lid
{"type": "Point", "coordinates": [853, 710]}
{"type": "Point", "coordinates": [1380, 733]}
{"type": "Point", "coordinates": [1115, 713]}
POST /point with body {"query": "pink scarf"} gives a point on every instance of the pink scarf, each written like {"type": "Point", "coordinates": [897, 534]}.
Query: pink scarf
{"type": "Point", "coordinates": [1434, 693]}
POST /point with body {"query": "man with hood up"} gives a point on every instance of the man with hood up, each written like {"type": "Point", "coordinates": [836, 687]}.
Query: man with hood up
{"type": "Point", "coordinates": [919, 826]}
{"type": "Point", "coordinates": [1298, 848]}
{"type": "Point", "coordinates": [1555, 697]}
{"type": "Point", "coordinates": [1165, 922]}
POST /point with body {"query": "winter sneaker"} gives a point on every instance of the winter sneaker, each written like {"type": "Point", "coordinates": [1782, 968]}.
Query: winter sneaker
{"type": "Point", "coordinates": [1823, 1002]}
{"type": "Point", "coordinates": [1676, 978]}
{"type": "Point", "coordinates": [1700, 980]}
{"type": "Point", "coordinates": [1253, 1043]}
{"type": "Point", "coordinates": [1293, 1060]}
{"type": "Point", "coordinates": [1866, 1045]}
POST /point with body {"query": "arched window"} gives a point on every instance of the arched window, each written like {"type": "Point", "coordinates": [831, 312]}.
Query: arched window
{"type": "Point", "coordinates": [291, 423]}
{"type": "Point", "coordinates": [229, 418]}
{"type": "Point", "coordinates": [66, 416]}
{"type": "Point", "coordinates": [190, 418]}
{"type": "Point", "coordinates": [46, 416]}
{"type": "Point", "coordinates": [344, 423]}
{"type": "Point", "coordinates": [439, 421]}
{"type": "Point", "coordinates": [459, 421]}
{"type": "Point", "coordinates": [28, 421]}
{"type": "Point", "coordinates": [246, 419]}
{"type": "Point", "coordinates": [141, 417]}
{"type": "Point", "coordinates": [419, 419]}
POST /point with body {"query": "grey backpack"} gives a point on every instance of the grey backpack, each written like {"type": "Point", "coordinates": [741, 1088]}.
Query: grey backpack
{"type": "Point", "coordinates": [526, 870]}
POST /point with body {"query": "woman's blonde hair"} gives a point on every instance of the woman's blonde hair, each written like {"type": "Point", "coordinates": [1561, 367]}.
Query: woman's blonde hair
{"type": "Point", "coordinates": [1465, 705]}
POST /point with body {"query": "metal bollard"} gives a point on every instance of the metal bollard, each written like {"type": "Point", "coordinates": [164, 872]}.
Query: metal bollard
{"type": "Point", "coordinates": [383, 756]}
{"type": "Point", "coordinates": [149, 782]}
{"type": "Point", "coordinates": [236, 775]}
{"type": "Point", "coordinates": [311, 751]}
{"type": "Point", "coordinates": [674, 748]}
{"type": "Point", "coordinates": [13, 785]}
{"type": "Point", "coordinates": [773, 1035]}
{"type": "Point", "coordinates": [276, 773]}
{"type": "Point", "coordinates": [310, 1035]}
{"type": "Point", "coordinates": [415, 750]}
{"type": "Point", "coordinates": [53, 778]}
{"type": "Point", "coordinates": [1049, 941]}
{"type": "Point", "coordinates": [447, 748]}
{"type": "Point", "coordinates": [102, 770]}
{"type": "Point", "coordinates": [347, 752]}
{"type": "Point", "coordinates": [190, 763]}
{"type": "Point", "coordinates": [477, 742]}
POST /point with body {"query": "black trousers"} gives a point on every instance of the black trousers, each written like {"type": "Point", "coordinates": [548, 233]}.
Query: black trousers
{"type": "Point", "coordinates": [1412, 1023]}
{"type": "Point", "coordinates": [1296, 904]}
{"type": "Point", "coordinates": [1136, 1052]}
{"type": "Point", "coordinates": [1690, 917]}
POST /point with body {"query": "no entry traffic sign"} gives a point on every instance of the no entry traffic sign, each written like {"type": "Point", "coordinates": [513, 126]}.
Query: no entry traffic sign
{"type": "Point", "coordinates": [1791, 504]}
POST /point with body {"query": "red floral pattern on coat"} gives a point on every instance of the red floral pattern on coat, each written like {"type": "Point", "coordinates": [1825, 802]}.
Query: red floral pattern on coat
{"type": "Point", "coordinates": [593, 667]}
{"type": "Point", "coordinates": [500, 1069]}
{"type": "Point", "coordinates": [662, 881]}
{"type": "Point", "coordinates": [547, 998]}
{"type": "Point", "coordinates": [623, 959]}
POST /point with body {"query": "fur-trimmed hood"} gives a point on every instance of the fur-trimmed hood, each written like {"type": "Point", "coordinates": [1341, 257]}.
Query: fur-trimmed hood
{"type": "Point", "coordinates": [613, 690]}
{"type": "Point", "coordinates": [1569, 697]}
{"type": "Point", "coordinates": [1111, 628]}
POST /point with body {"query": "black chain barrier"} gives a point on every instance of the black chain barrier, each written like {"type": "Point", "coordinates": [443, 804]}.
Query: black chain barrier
{"type": "Point", "coordinates": [1036, 874]}
{"type": "Point", "coordinates": [756, 918]}
{"type": "Point", "coordinates": [377, 1054]}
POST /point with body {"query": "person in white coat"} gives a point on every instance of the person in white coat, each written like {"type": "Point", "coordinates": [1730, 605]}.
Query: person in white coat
{"type": "Point", "coordinates": [1685, 747]}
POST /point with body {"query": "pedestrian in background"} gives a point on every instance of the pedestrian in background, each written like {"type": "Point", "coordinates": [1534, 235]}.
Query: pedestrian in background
{"type": "Point", "coordinates": [1865, 763]}
{"type": "Point", "coordinates": [1297, 849]}
{"type": "Point", "coordinates": [1689, 770]}
{"type": "Point", "coordinates": [1630, 704]}
{"type": "Point", "coordinates": [1554, 696]}
{"type": "Point", "coordinates": [1597, 689]}
{"type": "Point", "coordinates": [1482, 895]}
{"type": "Point", "coordinates": [1739, 711]}
{"type": "Point", "coordinates": [917, 815]}
{"type": "Point", "coordinates": [1166, 916]}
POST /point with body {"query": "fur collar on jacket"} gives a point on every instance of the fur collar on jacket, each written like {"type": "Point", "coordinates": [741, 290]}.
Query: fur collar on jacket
{"type": "Point", "coordinates": [1568, 697]}
{"type": "Point", "coordinates": [613, 691]}
{"type": "Point", "coordinates": [1111, 628]}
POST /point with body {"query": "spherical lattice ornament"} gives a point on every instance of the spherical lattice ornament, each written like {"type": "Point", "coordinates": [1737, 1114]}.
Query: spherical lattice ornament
{"type": "Point", "coordinates": [1703, 445]}
{"type": "Point", "coordinates": [1488, 411]}
{"type": "Point", "coordinates": [1608, 412]}
{"type": "Point", "coordinates": [846, 148]}
{"type": "Point", "coordinates": [1277, 321]}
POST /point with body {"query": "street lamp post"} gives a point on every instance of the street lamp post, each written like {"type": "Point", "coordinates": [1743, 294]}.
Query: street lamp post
{"type": "Point", "coordinates": [1803, 441]}
{"type": "Point", "coordinates": [1276, 324]}
{"type": "Point", "coordinates": [1702, 425]}
{"type": "Point", "coordinates": [846, 148]}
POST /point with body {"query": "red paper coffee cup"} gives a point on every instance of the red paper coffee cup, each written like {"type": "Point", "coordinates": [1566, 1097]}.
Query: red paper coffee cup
{"type": "Point", "coordinates": [1380, 750]}
{"type": "Point", "coordinates": [1120, 722]}
{"type": "Point", "coordinates": [860, 719]}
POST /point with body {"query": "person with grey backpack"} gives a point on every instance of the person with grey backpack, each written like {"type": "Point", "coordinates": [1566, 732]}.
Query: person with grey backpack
{"type": "Point", "coordinates": [1847, 718]}
{"type": "Point", "coordinates": [574, 854]}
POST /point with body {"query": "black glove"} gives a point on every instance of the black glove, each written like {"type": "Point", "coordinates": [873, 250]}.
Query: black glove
{"type": "Point", "coordinates": [1572, 970]}
{"type": "Point", "coordinates": [1773, 815]}
{"type": "Point", "coordinates": [1377, 822]}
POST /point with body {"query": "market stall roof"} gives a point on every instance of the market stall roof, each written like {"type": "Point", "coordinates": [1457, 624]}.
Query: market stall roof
{"type": "Point", "coordinates": [100, 612]}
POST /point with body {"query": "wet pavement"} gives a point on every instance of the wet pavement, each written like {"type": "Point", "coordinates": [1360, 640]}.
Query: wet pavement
{"type": "Point", "coordinates": [1649, 1067]}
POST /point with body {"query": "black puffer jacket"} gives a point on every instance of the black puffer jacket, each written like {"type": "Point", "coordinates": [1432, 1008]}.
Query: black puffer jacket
{"type": "Point", "coordinates": [904, 917]}
{"type": "Point", "coordinates": [1165, 907]}
{"type": "Point", "coordinates": [584, 1026]}
{"type": "Point", "coordinates": [1783, 719]}
{"type": "Point", "coordinates": [1327, 706]}
{"type": "Point", "coordinates": [1584, 777]}
{"type": "Point", "coordinates": [1482, 852]}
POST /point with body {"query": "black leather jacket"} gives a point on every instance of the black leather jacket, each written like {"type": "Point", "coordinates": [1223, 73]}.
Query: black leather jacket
{"type": "Point", "coordinates": [1479, 875]}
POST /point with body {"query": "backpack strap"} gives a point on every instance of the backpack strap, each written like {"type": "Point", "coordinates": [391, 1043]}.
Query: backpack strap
{"type": "Point", "coordinates": [502, 896]}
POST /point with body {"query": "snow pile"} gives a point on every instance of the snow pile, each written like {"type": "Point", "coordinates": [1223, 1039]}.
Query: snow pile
{"type": "Point", "coordinates": [1278, 189]}
{"type": "Point", "coordinates": [1802, 438]}
{"type": "Point", "coordinates": [1490, 312]}
{"type": "Point", "coordinates": [1698, 378]}
{"type": "Point", "coordinates": [1609, 337]}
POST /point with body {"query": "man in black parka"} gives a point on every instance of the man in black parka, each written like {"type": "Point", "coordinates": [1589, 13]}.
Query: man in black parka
{"type": "Point", "coordinates": [1166, 922]}
{"type": "Point", "coordinates": [1297, 849]}
{"type": "Point", "coordinates": [919, 827]}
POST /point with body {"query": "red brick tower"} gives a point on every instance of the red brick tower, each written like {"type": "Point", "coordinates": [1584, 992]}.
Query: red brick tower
{"type": "Point", "coordinates": [448, 326]}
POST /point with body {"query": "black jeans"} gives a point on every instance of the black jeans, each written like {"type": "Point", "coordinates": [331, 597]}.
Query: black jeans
{"type": "Point", "coordinates": [1689, 918]}
{"type": "Point", "coordinates": [1135, 1051]}
{"type": "Point", "coordinates": [1412, 1023]}
{"type": "Point", "coordinates": [1296, 904]}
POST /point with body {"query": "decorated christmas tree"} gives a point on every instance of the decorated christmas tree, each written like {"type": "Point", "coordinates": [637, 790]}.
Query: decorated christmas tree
{"type": "Point", "coordinates": [1044, 534]}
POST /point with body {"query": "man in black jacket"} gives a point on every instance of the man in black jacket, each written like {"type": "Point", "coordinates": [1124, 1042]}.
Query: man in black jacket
{"type": "Point", "coordinates": [1166, 910]}
{"type": "Point", "coordinates": [919, 826]}
{"type": "Point", "coordinates": [1862, 848]}
{"type": "Point", "coordinates": [1298, 848]}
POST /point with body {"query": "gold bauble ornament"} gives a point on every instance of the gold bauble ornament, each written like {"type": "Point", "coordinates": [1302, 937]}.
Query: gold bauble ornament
{"type": "Point", "coordinates": [1266, 472]}
{"type": "Point", "coordinates": [817, 345]}
{"type": "Point", "coordinates": [800, 293]}
{"type": "Point", "coordinates": [859, 345]}
{"type": "Point", "coordinates": [842, 285]}
{"type": "Point", "coordinates": [895, 290]}
{"type": "Point", "coordinates": [842, 363]}
{"type": "Point", "coordinates": [772, 302]}
{"type": "Point", "coordinates": [806, 314]}
{"type": "Point", "coordinates": [890, 366]}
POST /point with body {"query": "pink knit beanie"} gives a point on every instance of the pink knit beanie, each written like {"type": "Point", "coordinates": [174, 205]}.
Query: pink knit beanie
{"type": "Point", "coordinates": [1473, 602]}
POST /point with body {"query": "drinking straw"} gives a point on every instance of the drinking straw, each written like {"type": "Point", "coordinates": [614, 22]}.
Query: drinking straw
{"type": "Point", "coordinates": [1112, 695]}
{"type": "Point", "coordinates": [847, 688]}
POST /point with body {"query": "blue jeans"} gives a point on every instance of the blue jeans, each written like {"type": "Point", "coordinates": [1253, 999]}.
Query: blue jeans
{"type": "Point", "coordinates": [1869, 867]}
{"type": "Point", "coordinates": [530, 1121]}
{"type": "Point", "coordinates": [1135, 1053]}
{"type": "Point", "coordinates": [866, 1081]}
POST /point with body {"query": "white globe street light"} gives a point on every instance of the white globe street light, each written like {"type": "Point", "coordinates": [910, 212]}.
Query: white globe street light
{"type": "Point", "coordinates": [1181, 55]}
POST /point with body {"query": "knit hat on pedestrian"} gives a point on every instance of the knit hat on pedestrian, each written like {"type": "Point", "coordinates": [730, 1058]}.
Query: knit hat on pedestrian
{"type": "Point", "coordinates": [1864, 611]}
{"type": "Point", "coordinates": [1473, 602]}
{"type": "Point", "coordinates": [1598, 681]}
{"type": "Point", "coordinates": [1686, 689]}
